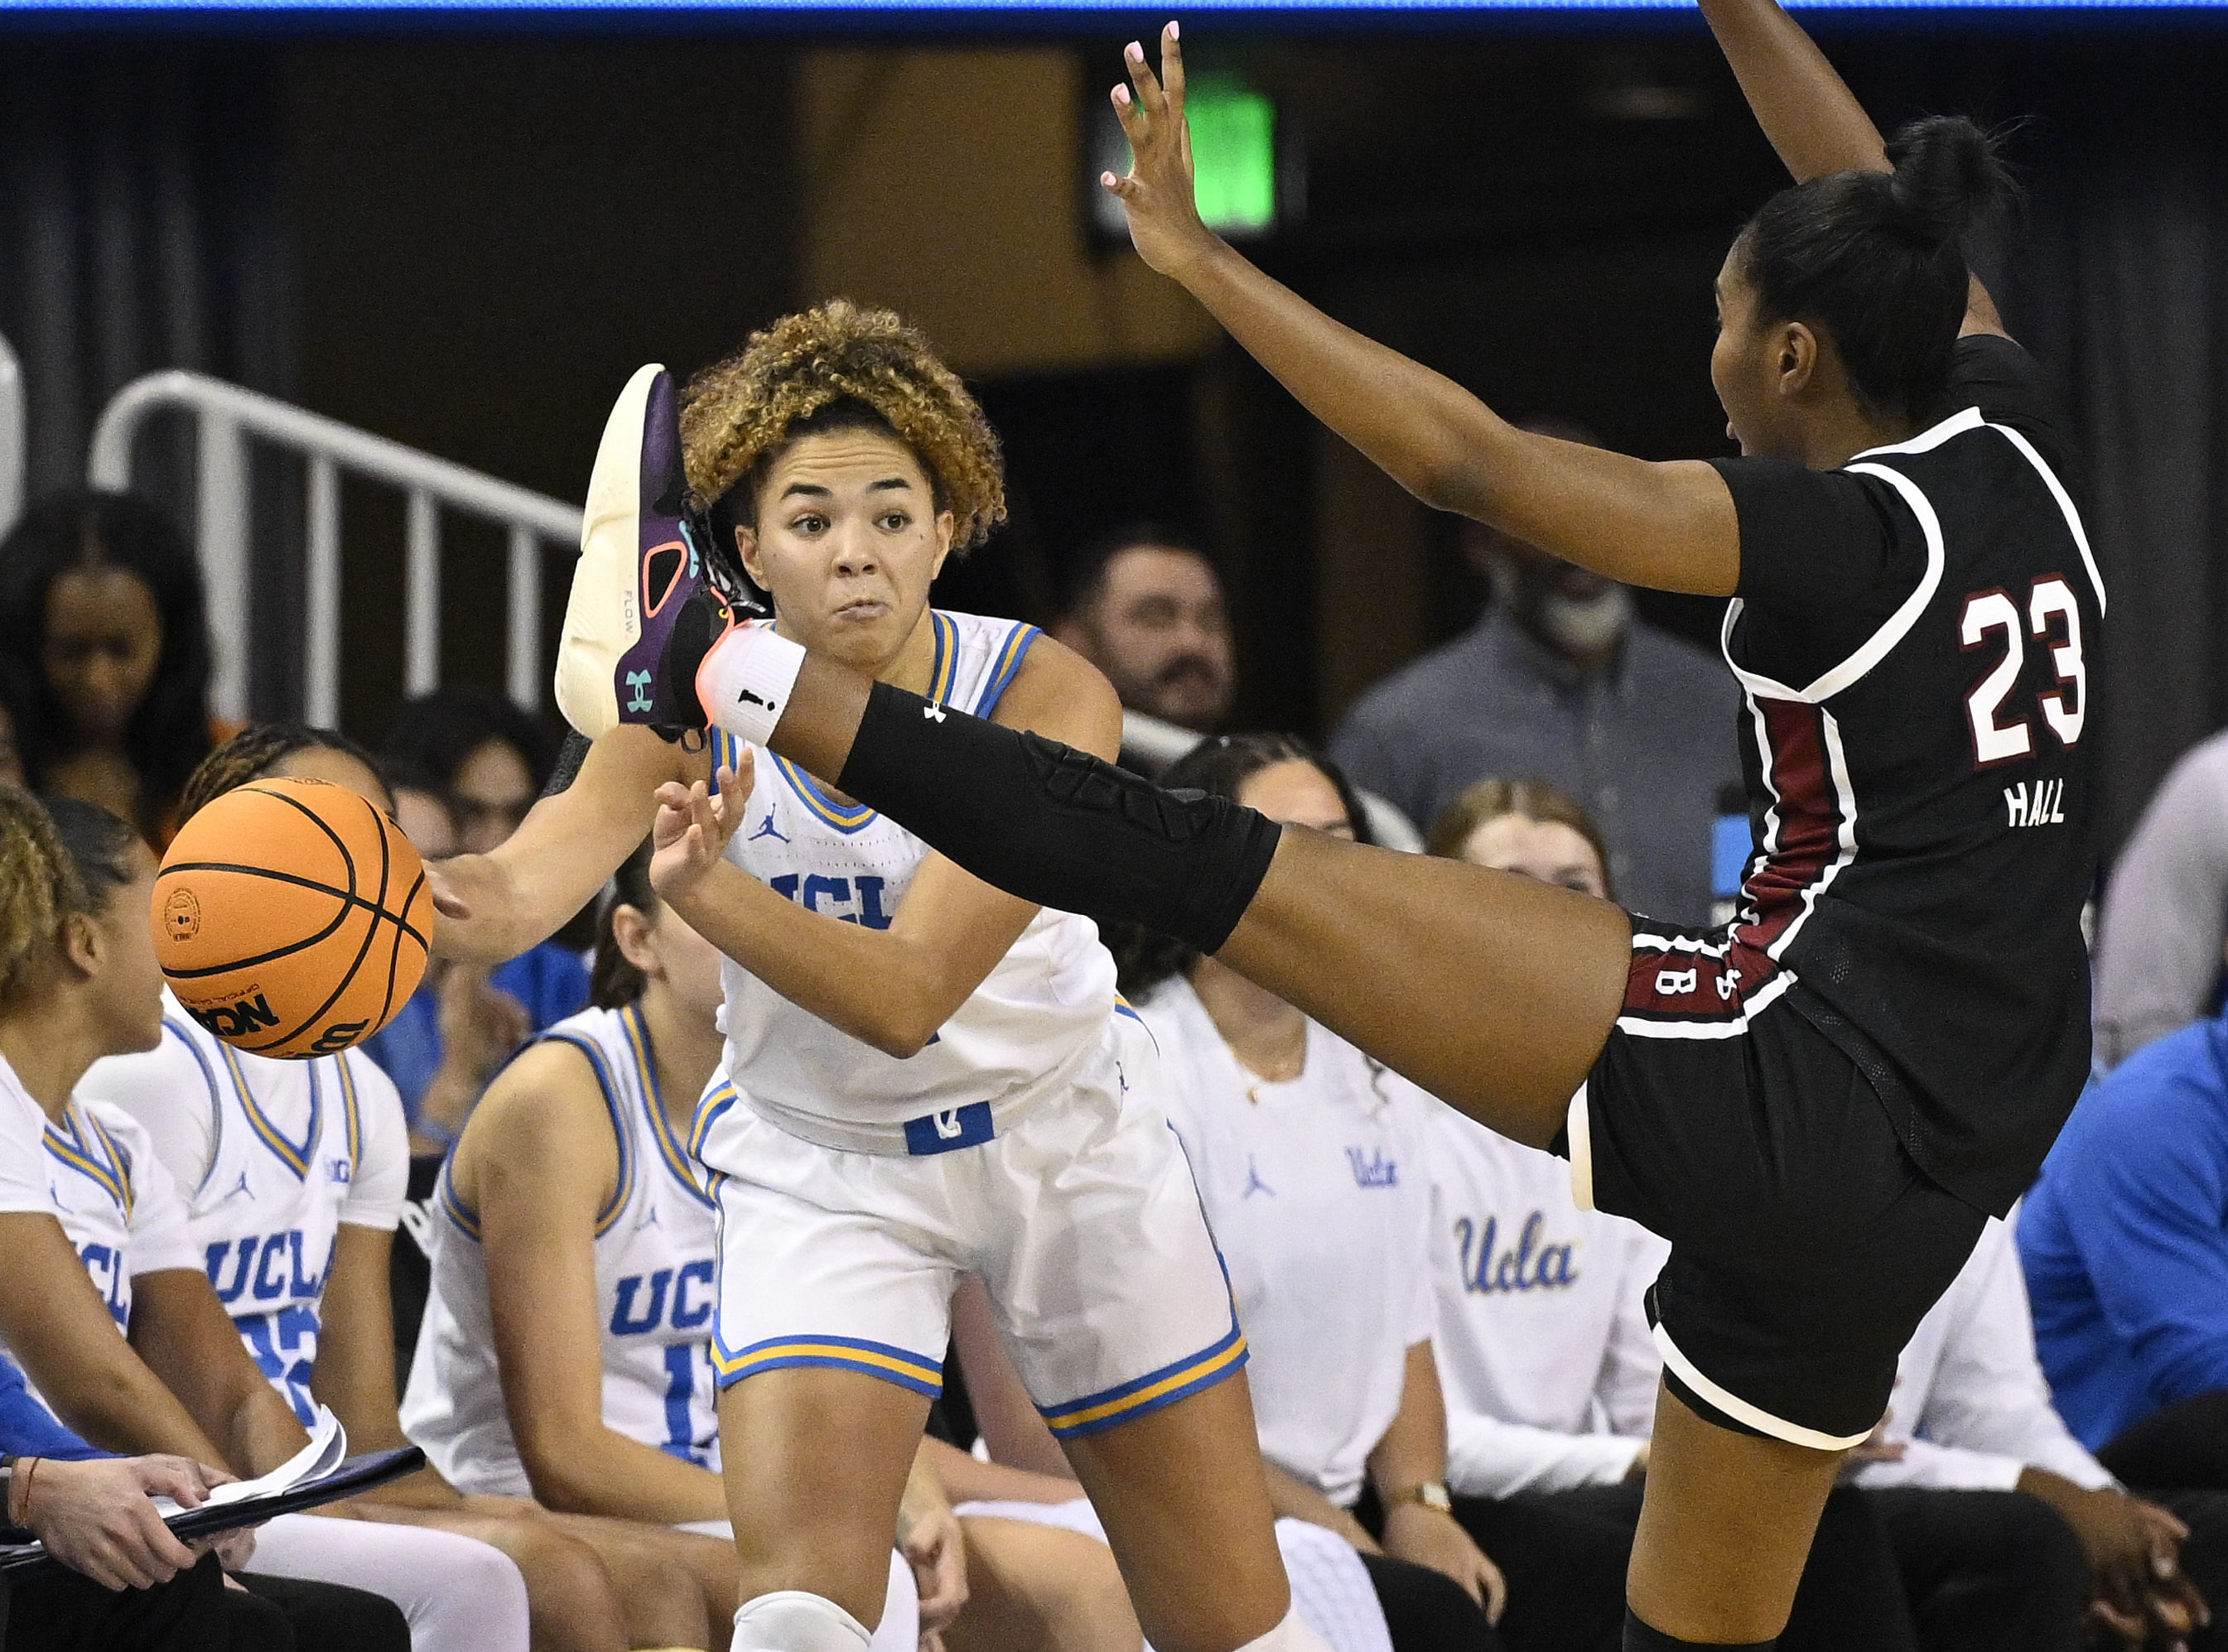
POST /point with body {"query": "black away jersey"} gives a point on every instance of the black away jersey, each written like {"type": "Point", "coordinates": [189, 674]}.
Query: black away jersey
{"type": "Point", "coordinates": [1918, 638]}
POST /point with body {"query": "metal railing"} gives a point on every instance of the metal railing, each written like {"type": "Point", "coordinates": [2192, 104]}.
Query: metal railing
{"type": "Point", "coordinates": [225, 417]}
{"type": "Point", "coordinates": [12, 437]}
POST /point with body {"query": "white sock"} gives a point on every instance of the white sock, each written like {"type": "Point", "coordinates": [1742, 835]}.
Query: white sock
{"type": "Point", "coordinates": [1291, 1636]}
{"type": "Point", "coordinates": [744, 682]}
{"type": "Point", "coordinates": [790, 1620]}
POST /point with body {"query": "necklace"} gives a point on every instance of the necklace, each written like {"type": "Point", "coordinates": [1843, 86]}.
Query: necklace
{"type": "Point", "coordinates": [1278, 1066]}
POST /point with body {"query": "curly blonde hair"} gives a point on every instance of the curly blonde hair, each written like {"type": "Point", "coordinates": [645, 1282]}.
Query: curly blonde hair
{"type": "Point", "coordinates": [736, 415]}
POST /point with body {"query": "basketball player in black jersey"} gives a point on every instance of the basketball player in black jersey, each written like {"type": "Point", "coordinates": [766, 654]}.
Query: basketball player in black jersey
{"type": "Point", "coordinates": [1817, 1105]}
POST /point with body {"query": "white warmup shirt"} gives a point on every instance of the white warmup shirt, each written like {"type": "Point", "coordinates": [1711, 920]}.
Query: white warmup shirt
{"type": "Point", "coordinates": [656, 1249]}
{"type": "Point", "coordinates": [1971, 1407]}
{"type": "Point", "coordinates": [95, 1172]}
{"type": "Point", "coordinates": [1543, 1345]}
{"type": "Point", "coordinates": [272, 1157]}
{"type": "Point", "coordinates": [1041, 1013]}
{"type": "Point", "coordinates": [1321, 1206]}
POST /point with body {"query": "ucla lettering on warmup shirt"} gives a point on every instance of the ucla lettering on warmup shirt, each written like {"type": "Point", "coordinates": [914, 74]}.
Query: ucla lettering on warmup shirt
{"type": "Point", "coordinates": [92, 1171]}
{"type": "Point", "coordinates": [1542, 1337]}
{"type": "Point", "coordinates": [1042, 1009]}
{"type": "Point", "coordinates": [657, 1250]}
{"type": "Point", "coordinates": [273, 1158]}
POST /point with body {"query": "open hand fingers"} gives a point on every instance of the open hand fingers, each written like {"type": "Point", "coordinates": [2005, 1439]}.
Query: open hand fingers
{"type": "Point", "coordinates": [1152, 101]}
{"type": "Point", "coordinates": [1172, 71]}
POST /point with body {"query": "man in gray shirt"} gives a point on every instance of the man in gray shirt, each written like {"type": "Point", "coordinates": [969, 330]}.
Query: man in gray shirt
{"type": "Point", "coordinates": [2159, 944]}
{"type": "Point", "coordinates": [1558, 682]}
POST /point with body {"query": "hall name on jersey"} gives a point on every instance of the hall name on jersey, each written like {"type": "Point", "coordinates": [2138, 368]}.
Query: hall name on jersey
{"type": "Point", "coordinates": [2042, 805]}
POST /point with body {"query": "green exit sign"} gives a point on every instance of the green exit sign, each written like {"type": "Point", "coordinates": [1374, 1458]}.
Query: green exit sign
{"type": "Point", "coordinates": [1233, 152]}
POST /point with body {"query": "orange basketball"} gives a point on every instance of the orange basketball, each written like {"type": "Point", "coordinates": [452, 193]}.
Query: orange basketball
{"type": "Point", "coordinates": [293, 918]}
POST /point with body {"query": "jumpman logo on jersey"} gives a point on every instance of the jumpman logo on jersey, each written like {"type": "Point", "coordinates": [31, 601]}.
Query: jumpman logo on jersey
{"type": "Point", "coordinates": [1253, 1182]}
{"type": "Point", "coordinates": [766, 829]}
{"type": "Point", "coordinates": [650, 1220]}
{"type": "Point", "coordinates": [242, 1189]}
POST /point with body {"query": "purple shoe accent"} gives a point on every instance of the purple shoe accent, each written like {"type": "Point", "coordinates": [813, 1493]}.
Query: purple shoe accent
{"type": "Point", "coordinates": [669, 565]}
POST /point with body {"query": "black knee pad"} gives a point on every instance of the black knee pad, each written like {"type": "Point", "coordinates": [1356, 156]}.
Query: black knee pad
{"type": "Point", "coordinates": [1057, 826]}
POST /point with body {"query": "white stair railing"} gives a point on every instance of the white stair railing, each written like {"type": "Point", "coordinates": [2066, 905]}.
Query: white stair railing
{"type": "Point", "coordinates": [12, 437]}
{"type": "Point", "coordinates": [226, 417]}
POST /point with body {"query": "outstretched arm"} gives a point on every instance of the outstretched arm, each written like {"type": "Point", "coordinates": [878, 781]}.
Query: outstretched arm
{"type": "Point", "coordinates": [1669, 527]}
{"type": "Point", "coordinates": [493, 906]}
{"type": "Point", "coordinates": [1814, 121]}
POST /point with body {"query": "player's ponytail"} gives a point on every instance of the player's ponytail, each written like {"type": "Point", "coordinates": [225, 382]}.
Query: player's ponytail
{"type": "Point", "coordinates": [1874, 259]}
{"type": "Point", "coordinates": [1947, 178]}
{"type": "Point", "coordinates": [56, 859]}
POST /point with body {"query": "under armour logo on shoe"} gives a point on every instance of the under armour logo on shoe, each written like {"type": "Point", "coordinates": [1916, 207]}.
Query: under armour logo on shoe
{"type": "Point", "coordinates": [638, 682]}
{"type": "Point", "coordinates": [934, 714]}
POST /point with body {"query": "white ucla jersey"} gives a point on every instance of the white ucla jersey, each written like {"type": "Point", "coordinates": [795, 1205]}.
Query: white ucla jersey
{"type": "Point", "coordinates": [117, 1205]}
{"type": "Point", "coordinates": [271, 1157]}
{"type": "Point", "coordinates": [1040, 1010]}
{"type": "Point", "coordinates": [657, 1250]}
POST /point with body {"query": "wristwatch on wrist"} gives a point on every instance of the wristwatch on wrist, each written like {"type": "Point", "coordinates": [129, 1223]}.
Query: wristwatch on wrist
{"type": "Point", "coordinates": [1432, 1494]}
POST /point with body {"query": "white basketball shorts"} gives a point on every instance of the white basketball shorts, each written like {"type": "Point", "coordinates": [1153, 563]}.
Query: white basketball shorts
{"type": "Point", "coordinates": [1079, 1217]}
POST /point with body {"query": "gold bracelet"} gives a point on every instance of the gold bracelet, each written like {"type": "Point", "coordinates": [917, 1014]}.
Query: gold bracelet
{"type": "Point", "coordinates": [29, 1475]}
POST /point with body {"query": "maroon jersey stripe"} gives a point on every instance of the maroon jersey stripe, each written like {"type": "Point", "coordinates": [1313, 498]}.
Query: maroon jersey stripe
{"type": "Point", "coordinates": [1809, 818]}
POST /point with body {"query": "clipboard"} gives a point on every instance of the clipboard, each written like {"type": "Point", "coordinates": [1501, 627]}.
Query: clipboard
{"type": "Point", "coordinates": [25, 1557]}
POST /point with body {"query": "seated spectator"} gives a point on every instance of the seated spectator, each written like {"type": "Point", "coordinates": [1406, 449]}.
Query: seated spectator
{"type": "Point", "coordinates": [2124, 1239]}
{"type": "Point", "coordinates": [567, 1351]}
{"type": "Point", "coordinates": [105, 654]}
{"type": "Point", "coordinates": [231, 1126]}
{"type": "Point", "coordinates": [1302, 1148]}
{"type": "Point", "coordinates": [98, 1239]}
{"type": "Point", "coordinates": [487, 761]}
{"type": "Point", "coordinates": [2165, 917]}
{"type": "Point", "coordinates": [1550, 1370]}
{"type": "Point", "coordinates": [1145, 606]}
{"type": "Point", "coordinates": [2005, 1527]}
{"type": "Point", "coordinates": [1557, 680]}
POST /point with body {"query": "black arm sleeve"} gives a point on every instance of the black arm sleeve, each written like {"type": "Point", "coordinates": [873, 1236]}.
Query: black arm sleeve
{"type": "Point", "coordinates": [1057, 826]}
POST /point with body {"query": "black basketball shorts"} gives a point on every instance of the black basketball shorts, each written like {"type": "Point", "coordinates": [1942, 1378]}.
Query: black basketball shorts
{"type": "Point", "coordinates": [1806, 1244]}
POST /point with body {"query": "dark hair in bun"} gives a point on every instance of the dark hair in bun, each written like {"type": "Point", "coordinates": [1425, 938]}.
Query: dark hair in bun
{"type": "Point", "coordinates": [1873, 260]}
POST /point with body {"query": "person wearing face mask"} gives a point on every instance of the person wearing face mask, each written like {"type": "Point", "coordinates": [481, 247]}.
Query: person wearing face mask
{"type": "Point", "coordinates": [1559, 679]}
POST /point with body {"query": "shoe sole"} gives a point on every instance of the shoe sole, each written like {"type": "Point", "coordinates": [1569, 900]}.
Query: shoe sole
{"type": "Point", "coordinates": [608, 606]}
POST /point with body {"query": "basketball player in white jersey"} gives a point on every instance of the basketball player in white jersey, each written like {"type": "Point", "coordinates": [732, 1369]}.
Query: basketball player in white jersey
{"type": "Point", "coordinates": [931, 1079]}
{"type": "Point", "coordinates": [295, 1173]}
{"type": "Point", "coordinates": [568, 1349]}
